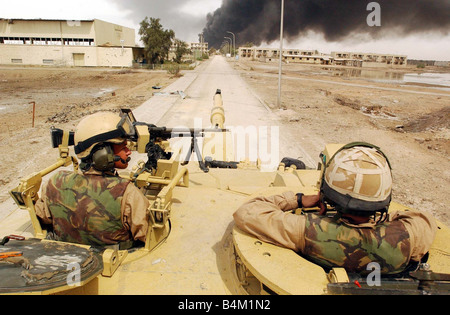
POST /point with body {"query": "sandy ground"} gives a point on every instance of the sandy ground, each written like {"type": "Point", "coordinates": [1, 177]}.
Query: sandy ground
{"type": "Point", "coordinates": [410, 123]}
{"type": "Point", "coordinates": [62, 97]}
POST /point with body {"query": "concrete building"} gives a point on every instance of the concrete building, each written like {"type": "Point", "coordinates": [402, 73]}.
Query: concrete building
{"type": "Point", "coordinates": [92, 43]}
{"type": "Point", "coordinates": [289, 55]}
{"type": "Point", "coordinates": [199, 49]}
{"type": "Point", "coordinates": [196, 50]}
{"type": "Point", "coordinates": [371, 60]}
{"type": "Point", "coordinates": [315, 57]}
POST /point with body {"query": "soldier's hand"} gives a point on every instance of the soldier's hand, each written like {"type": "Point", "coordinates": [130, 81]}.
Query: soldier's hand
{"type": "Point", "coordinates": [310, 201]}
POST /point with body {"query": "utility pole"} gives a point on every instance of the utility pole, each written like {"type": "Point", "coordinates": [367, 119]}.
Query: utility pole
{"type": "Point", "coordinates": [281, 54]}
{"type": "Point", "coordinates": [234, 43]}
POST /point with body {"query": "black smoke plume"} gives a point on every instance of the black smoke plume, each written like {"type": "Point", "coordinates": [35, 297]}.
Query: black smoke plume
{"type": "Point", "coordinates": [258, 21]}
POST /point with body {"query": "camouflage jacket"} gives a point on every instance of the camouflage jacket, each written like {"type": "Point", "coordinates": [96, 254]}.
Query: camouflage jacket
{"type": "Point", "coordinates": [332, 243]}
{"type": "Point", "coordinates": [86, 209]}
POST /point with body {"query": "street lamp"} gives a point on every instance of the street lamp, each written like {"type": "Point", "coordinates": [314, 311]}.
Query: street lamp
{"type": "Point", "coordinates": [281, 54]}
{"type": "Point", "coordinates": [234, 43]}
{"type": "Point", "coordinates": [231, 43]}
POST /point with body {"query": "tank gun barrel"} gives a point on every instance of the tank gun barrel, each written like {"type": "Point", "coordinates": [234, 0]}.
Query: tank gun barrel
{"type": "Point", "coordinates": [218, 112]}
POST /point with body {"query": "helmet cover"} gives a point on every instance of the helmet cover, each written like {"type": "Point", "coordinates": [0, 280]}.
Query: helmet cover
{"type": "Point", "coordinates": [358, 178]}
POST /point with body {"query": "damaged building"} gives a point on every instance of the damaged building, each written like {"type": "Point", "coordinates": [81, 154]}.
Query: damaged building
{"type": "Point", "coordinates": [350, 59]}
{"type": "Point", "coordinates": [371, 60]}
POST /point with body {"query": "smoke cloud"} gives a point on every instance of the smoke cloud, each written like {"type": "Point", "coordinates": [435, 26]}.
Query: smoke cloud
{"type": "Point", "coordinates": [258, 21]}
{"type": "Point", "coordinates": [185, 17]}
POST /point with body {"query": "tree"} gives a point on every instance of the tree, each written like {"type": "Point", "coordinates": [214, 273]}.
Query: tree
{"type": "Point", "coordinates": [181, 48]}
{"type": "Point", "coordinates": [212, 51]}
{"type": "Point", "coordinates": [157, 41]}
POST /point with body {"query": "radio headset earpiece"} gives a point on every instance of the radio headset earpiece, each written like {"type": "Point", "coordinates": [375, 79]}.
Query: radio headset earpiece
{"type": "Point", "coordinates": [103, 158]}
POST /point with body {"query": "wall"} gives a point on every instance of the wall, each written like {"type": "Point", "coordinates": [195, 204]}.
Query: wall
{"type": "Point", "coordinates": [63, 55]}
{"type": "Point", "coordinates": [35, 55]}
{"type": "Point", "coordinates": [303, 59]}
{"type": "Point", "coordinates": [367, 64]}
{"type": "Point", "coordinates": [114, 57]}
{"type": "Point", "coordinates": [47, 29]}
{"type": "Point", "coordinates": [110, 34]}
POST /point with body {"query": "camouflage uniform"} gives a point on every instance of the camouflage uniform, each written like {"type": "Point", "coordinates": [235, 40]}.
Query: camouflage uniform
{"type": "Point", "coordinates": [93, 209]}
{"type": "Point", "coordinates": [333, 242]}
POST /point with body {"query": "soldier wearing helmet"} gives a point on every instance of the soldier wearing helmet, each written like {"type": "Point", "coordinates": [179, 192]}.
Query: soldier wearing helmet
{"type": "Point", "coordinates": [357, 183]}
{"type": "Point", "coordinates": [96, 207]}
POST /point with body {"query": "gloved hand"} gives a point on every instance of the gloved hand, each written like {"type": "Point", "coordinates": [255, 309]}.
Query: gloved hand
{"type": "Point", "coordinates": [307, 201]}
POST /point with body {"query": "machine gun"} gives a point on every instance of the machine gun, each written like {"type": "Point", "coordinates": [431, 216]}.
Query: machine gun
{"type": "Point", "coordinates": [152, 140]}
{"type": "Point", "coordinates": [155, 143]}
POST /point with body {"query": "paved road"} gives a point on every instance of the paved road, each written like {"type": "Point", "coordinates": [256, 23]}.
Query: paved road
{"type": "Point", "coordinates": [244, 110]}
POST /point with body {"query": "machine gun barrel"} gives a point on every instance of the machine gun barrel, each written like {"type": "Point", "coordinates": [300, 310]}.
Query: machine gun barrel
{"type": "Point", "coordinates": [167, 133]}
{"type": "Point", "coordinates": [151, 139]}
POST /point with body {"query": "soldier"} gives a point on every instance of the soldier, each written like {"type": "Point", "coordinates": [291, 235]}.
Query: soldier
{"type": "Point", "coordinates": [357, 182]}
{"type": "Point", "coordinates": [95, 206]}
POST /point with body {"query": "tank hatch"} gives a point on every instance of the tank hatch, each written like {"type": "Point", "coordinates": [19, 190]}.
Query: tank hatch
{"type": "Point", "coordinates": [45, 267]}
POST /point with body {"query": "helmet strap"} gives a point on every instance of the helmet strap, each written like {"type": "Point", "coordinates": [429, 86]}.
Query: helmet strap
{"type": "Point", "coordinates": [86, 144]}
{"type": "Point", "coordinates": [383, 216]}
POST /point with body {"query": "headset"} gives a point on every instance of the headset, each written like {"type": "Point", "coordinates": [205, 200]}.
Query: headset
{"type": "Point", "coordinates": [102, 158]}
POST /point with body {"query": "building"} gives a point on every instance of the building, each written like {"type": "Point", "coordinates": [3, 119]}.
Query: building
{"type": "Point", "coordinates": [90, 43]}
{"type": "Point", "coordinates": [199, 49]}
{"type": "Point", "coordinates": [289, 55]}
{"type": "Point", "coordinates": [314, 57]}
{"type": "Point", "coordinates": [368, 60]}
{"type": "Point", "coordinates": [196, 50]}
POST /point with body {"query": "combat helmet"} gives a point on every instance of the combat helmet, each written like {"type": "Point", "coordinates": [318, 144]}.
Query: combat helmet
{"type": "Point", "coordinates": [95, 132]}
{"type": "Point", "coordinates": [358, 180]}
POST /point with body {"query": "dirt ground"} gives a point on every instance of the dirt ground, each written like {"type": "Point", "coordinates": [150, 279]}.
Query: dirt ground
{"type": "Point", "coordinates": [62, 98]}
{"type": "Point", "coordinates": [411, 123]}
{"type": "Point", "coordinates": [411, 128]}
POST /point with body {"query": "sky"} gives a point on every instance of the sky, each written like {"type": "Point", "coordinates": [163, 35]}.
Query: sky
{"type": "Point", "coordinates": [188, 18]}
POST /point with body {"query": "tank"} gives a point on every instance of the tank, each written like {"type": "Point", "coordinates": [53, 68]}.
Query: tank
{"type": "Point", "coordinates": [192, 246]}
